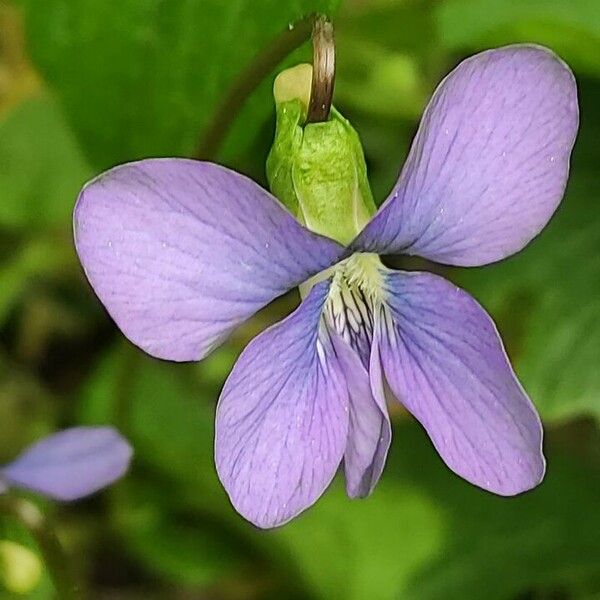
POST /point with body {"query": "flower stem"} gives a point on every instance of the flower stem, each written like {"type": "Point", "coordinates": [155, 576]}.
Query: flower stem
{"type": "Point", "coordinates": [323, 77]}
{"type": "Point", "coordinates": [55, 559]}
{"type": "Point", "coordinates": [248, 81]}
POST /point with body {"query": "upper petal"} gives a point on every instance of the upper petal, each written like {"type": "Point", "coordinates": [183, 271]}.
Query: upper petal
{"type": "Point", "coordinates": [444, 360]}
{"type": "Point", "coordinates": [71, 464]}
{"type": "Point", "coordinates": [489, 164]}
{"type": "Point", "coordinates": [182, 251]}
{"type": "Point", "coordinates": [282, 419]}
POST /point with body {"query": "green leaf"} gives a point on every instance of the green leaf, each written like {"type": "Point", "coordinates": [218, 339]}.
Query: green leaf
{"type": "Point", "coordinates": [180, 546]}
{"type": "Point", "coordinates": [380, 72]}
{"type": "Point", "coordinates": [366, 548]}
{"type": "Point", "coordinates": [547, 298]}
{"type": "Point", "coordinates": [426, 534]}
{"type": "Point", "coordinates": [27, 409]}
{"type": "Point", "coordinates": [571, 28]}
{"type": "Point", "coordinates": [533, 545]}
{"type": "Point", "coordinates": [145, 79]}
{"type": "Point", "coordinates": [41, 166]}
{"type": "Point", "coordinates": [38, 257]}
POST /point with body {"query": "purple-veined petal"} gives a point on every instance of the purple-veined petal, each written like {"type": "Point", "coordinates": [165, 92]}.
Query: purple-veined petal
{"type": "Point", "coordinates": [444, 360]}
{"type": "Point", "coordinates": [489, 164]}
{"type": "Point", "coordinates": [369, 430]}
{"type": "Point", "coordinates": [282, 419]}
{"type": "Point", "coordinates": [71, 464]}
{"type": "Point", "coordinates": [182, 251]}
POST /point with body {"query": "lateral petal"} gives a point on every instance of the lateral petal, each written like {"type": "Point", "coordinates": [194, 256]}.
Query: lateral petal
{"type": "Point", "coordinates": [180, 252]}
{"type": "Point", "coordinates": [444, 360]}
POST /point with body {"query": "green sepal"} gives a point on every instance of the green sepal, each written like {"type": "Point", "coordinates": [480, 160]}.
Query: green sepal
{"type": "Point", "coordinates": [287, 143]}
{"type": "Point", "coordinates": [318, 172]}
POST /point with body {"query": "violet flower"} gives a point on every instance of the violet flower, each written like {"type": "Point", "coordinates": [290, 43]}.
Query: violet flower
{"type": "Point", "coordinates": [70, 464]}
{"type": "Point", "coordinates": [181, 252]}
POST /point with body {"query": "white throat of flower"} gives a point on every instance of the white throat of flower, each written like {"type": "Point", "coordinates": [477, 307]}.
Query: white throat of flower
{"type": "Point", "coordinates": [355, 295]}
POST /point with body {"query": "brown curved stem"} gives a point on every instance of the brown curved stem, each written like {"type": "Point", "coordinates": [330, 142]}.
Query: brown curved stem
{"type": "Point", "coordinates": [323, 77]}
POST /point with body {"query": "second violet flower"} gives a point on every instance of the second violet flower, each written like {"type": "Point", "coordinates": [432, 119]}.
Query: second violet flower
{"type": "Point", "coordinates": [181, 252]}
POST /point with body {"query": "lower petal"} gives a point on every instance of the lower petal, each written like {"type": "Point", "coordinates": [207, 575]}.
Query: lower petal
{"type": "Point", "coordinates": [369, 431]}
{"type": "Point", "coordinates": [282, 419]}
{"type": "Point", "coordinates": [444, 360]}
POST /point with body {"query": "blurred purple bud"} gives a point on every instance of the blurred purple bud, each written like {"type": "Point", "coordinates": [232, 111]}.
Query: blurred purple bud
{"type": "Point", "coordinates": [70, 464]}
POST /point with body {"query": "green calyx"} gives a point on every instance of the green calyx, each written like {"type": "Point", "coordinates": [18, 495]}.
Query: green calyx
{"type": "Point", "coordinates": [317, 169]}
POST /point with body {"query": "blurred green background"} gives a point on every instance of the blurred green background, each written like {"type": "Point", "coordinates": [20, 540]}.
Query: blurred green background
{"type": "Point", "coordinates": [86, 84]}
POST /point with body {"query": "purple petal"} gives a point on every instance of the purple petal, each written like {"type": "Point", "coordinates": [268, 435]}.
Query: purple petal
{"type": "Point", "coordinates": [282, 419]}
{"type": "Point", "coordinates": [444, 360]}
{"type": "Point", "coordinates": [489, 164]}
{"type": "Point", "coordinates": [369, 432]}
{"type": "Point", "coordinates": [71, 464]}
{"type": "Point", "coordinates": [182, 251]}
